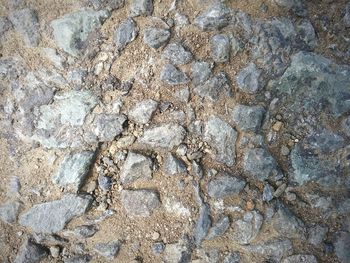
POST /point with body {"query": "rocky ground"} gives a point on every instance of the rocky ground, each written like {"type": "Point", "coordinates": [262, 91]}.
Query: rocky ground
{"type": "Point", "coordinates": [175, 131]}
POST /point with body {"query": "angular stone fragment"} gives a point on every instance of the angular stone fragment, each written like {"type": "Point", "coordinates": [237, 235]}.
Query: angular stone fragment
{"type": "Point", "coordinates": [139, 203]}
{"type": "Point", "coordinates": [317, 234]}
{"type": "Point", "coordinates": [248, 118]}
{"type": "Point", "coordinates": [203, 224]}
{"type": "Point", "coordinates": [220, 48]}
{"type": "Point", "coordinates": [174, 207]}
{"type": "Point", "coordinates": [5, 25]}
{"type": "Point", "coordinates": [108, 250]}
{"type": "Point", "coordinates": [136, 166]}
{"type": "Point", "coordinates": [215, 17]}
{"type": "Point", "coordinates": [72, 30]}
{"type": "Point", "coordinates": [297, 6]}
{"type": "Point", "coordinates": [307, 38]}
{"type": "Point", "coordinates": [141, 7]}
{"type": "Point", "coordinates": [300, 259]}
{"type": "Point", "coordinates": [273, 250]}
{"type": "Point", "coordinates": [173, 76]}
{"type": "Point", "coordinates": [346, 17]}
{"type": "Point", "coordinates": [246, 229]}
{"type": "Point", "coordinates": [219, 228]}
{"type": "Point", "coordinates": [165, 136]}
{"type": "Point", "coordinates": [259, 164]}
{"type": "Point", "coordinates": [177, 252]}
{"type": "Point", "coordinates": [107, 126]}
{"type": "Point", "coordinates": [249, 79]}
{"type": "Point", "coordinates": [156, 37]}
{"type": "Point", "coordinates": [174, 166]}
{"type": "Point", "coordinates": [110, 5]}
{"type": "Point", "coordinates": [342, 246]}
{"type": "Point", "coordinates": [30, 252]}
{"type": "Point", "coordinates": [177, 54]}
{"type": "Point", "coordinates": [85, 231]}
{"type": "Point", "coordinates": [51, 217]}
{"type": "Point", "coordinates": [142, 112]}
{"type": "Point", "coordinates": [225, 185]}
{"type": "Point", "coordinates": [233, 257]}
{"type": "Point", "coordinates": [201, 71]}
{"type": "Point", "coordinates": [125, 33]}
{"type": "Point", "coordinates": [9, 212]}
{"type": "Point", "coordinates": [26, 24]}
{"type": "Point", "coordinates": [74, 169]}
{"type": "Point", "coordinates": [104, 182]}
{"type": "Point", "coordinates": [222, 138]}
{"type": "Point", "coordinates": [213, 88]}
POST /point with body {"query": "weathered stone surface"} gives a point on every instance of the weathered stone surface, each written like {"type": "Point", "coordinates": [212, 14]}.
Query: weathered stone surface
{"type": "Point", "coordinates": [136, 166]}
{"type": "Point", "coordinates": [259, 164]}
{"type": "Point", "coordinates": [225, 185]}
{"type": "Point", "coordinates": [203, 224]}
{"type": "Point", "coordinates": [247, 228]}
{"type": "Point", "coordinates": [85, 231]}
{"type": "Point", "coordinates": [176, 208]}
{"type": "Point", "coordinates": [125, 33]}
{"type": "Point", "coordinates": [249, 79]}
{"type": "Point", "coordinates": [139, 203]}
{"type": "Point", "coordinates": [174, 166]}
{"type": "Point", "coordinates": [107, 126]}
{"type": "Point", "coordinates": [51, 217]}
{"type": "Point", "coordinates": [217, 86]}
{"type": "Point", "coordinates": [219, 228]}
{"type": "Point", "coordinates": [142, 112]}
{"type": "Point", "coordinates": [201, 72]}
{"type": "Point", "coordinates": [74, 169]}
{"type": "Point", "coordinates": [104, 182]}
{"type": "Point", "coordinates": [5, 25]}
{"type": "Point", "coordinates": [166, 136]}
{"type": "Point", "coordinates": [222, 138]}
{"type": "Point", "coordinates": [156, 37]}
{"type": "Point", "coordinates": [177, 252]}
{"type": "Point", "coordinates": [9, 212]}
{"type": "Point", "coordinates": [233, 257]}
{"type": "Point", "coordinates": [297, 6]}
{"type": "Point", "coordinates": [26, 24]}
{"type": "Point", "coordinates": [306, 38]}
{"type": "Point", "coordinates": [108, 250]}
{"type": "Point", "coordinates": [248, 118]}
{"type": "Point", "coordinates": [346, 17]}
{"type": "Point", "coordinates": [30, 252]}
{"type": "Point", "coordinates": [300, 259]}
{"type": "Point", "coordinates": [273, 250]}
{"type": "Point", "coordinates": [342, 246]}
{"type": "Point", "coordinates": [177, 54]}
{"type": "Point", "coordinates": [72, 30]}
{"type": "Point", "coordinates": [220, 48]}
{"type": "Point", "coordinates": [215, 17]}
{"type": "Point", "coordinates": [317, 234]}
{"type": "Point", "coordinates": [345, 126]}
{"type": "Point", "coordinates": [141, 7]}
{"type": "Point", "coordinates": [173, 76]}
{"type": "Point", "coordinates": [110, 5]}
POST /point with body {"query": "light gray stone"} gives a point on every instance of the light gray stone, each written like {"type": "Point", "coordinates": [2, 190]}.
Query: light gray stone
{"type": "Point", "coordinates": [346, 17]}
{"type": "Point", "coordinates": [306, 38]}
{"type": "Point", "coordinates": [125, 33]}
{"type": "Point", "coordinates": [297, 6]}
{"type": "Point", "coordinates": [215, 17]}
{"type": "Point", "coordinates": [156, 37]}
{"type": "Point", "coordinates": [177, 54]}
{"type": "Point", "coordinates": [26, 24]}
{"type": "Point", "coordinates": [72, 30]}
{"type": "Point", "coordinates": [213, 88]}
{"type": "Point", "coordinates": [222, 138]}
{"type": "Point", "coordinates": [233, 257]}
{"type": "Point", "coordinates": [107, 4]}
{"type": "Point", "coordinates": [203, 224]}
{"type": "Point", "coordinates": [51, 217]}
{"type": "Point", "coordinates": [201, 72]}
{"type": "Point", "coordinates": [104, 182]}
{"type": "Point", "coordinates": [30, 252]}
{"type": "Point", "coordinates": [342, 246]}
{"type": "Point", "coordinates": [246, 229]}
{"type": "Point", "coordinates": [274, 250]}
{"type": "Point", "coordinates": [107, 126]}
{"type": "Point", "coordinates": [85, 231]}
{"type": "Point", "coordinates": [225, 185]}
{"type": "Point", "coordinates": [220, 48]}
{"type": "Point", "coordinates": [317, 234]}
{"type": "Point", "coordinates": [248, 118]}
{"type": "Point", "coordinates": [5, 25]}
{"type": "Point", "coordinates": [142, 111]}
{"type": "Point", "coordinates": [173, 76]}
{"type": "Point", "coordinates": [177, 252]}
{"type": "Point", "coordinates": [139, 203]}
{"type": "Point", "coordinates": [174, 166]}
{"type": "Point", "coordinates": [141, 7]}
{"type": "Point", "coordinates": [219, 228]}
{"type": "Point", "coordinates": [249, 79]}
{"type": "Point", "coordinates": [136, 166]}
{"type": "Point", "coordinates": [300, 259]}
{"type": "Point", "coordinates": [9, 212]}
{"type": "Point", "coordinates": [108, 250]}
{"type": "Point", "coordinates": [74, 169]}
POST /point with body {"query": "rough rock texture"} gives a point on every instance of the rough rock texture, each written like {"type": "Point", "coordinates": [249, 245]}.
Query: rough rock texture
{"type": "Point", "coordinates": [136, 167]}
{"type": "Point", "coordinates": [300, 258]}
{"type": "Point", "coordinates": [126, 32]}
{"type": "Point", "coordinates": [139, 203]}
{"type": "Point", "coordinates": [156, 37]}
{"type": "Point", "coordinates": [173, 76]}
{"type": "Point", "coordinates": [108, 250]}
{"type": "Point", "coordinates": [215, 17]}
{"type": "Point", "coordinates": [177, 54]}
{"type": "Point", "coordinates": [141, 7]}
{"type": "Point", "coordinates": [247, 228]}
{"type": "Point", "coordinates": [248, 118]}
{"type": "Point", "coordinates": [174, 166]}
{"type": "Point", "coordinates": [30, 252]}
{"type": "Point", "coordinates": [9, 212]}
{"type": "Point", "coordinates": [220, 48]}
{"type": "Point", "coordinates": [215, 87]}
{"type": "Point", "coordinates": [249, 79]}
{"type": "Point", "coordinates": [142, 111]}
{"type": "Point", "coordinates": [107, 126]}
{"type": "Point", "coordinates": [225, 185]}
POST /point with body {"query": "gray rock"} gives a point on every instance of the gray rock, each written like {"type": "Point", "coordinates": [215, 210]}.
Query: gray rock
{"type": "Point", "coordinates": [141, 7]}
{"type": "Point", "coordinates": [259, 164]}
{"type": "Point", "coordinates": [108, 250]}
{"type": "Point", "coordinates": [57, 60]}
{"type": "Point", "coordinates": [248, 118]}
{"type": "Point", "coordinates": [78, 259]}
{"type": "Point", "coordinates": [9, 212]}
{"type": "Point", "coordinates": [156, 37]}
{"type": "Point", "coordinates": [107, 4]}
{"type": "Point", "coordinates": [249, 79]}
{"type": "Point", "coordinates": [158, 248]}
{"type": "Point", "coordinates": [300, 259]}
{"type": "Point", "coordinates": [346, 18]}
{"type": "Point", "coordinates": [220, 48]}
{"type": "Point", "coordinates": [107, 126]}
{"type": "Point", "coordinates": [197, 170]}
{"type": "Point", "coordinates": [72, 30]}
{"type": "Point", "coordinates": [139, 203]}
{"type": "Point", "coordinates": [233, 257]}
{"type": "Point", "coordinates": [30, 252]}
{"type": "Point", "coordinates": [74, 169]}
{"type": "Point", "coordinates": [142, 112]}
{"type": "Point", "coordinates": [125, 33]}
{"type": "Point", "coordinates": [177, 54]}
{"type": "Point", "coordinates": [345, 126]}
{"type": "Point", "coordinates": [215, 17]}
{"type": "Point", "coordinates": [273, 250]}
{"type": "Point", "coordinates": [104, 182]}
{"type": "Point", "coordinates": [246, 230]}
{"type": "Point", "coordinates": [342, 246]}
{"type": "Point", "coordinates": [306, 38]}
{"type": "Point", "coordinates": [225, 185]}
{"type": "Point", "coordinates": [136, 166]}
{"type": "Point", "coordinates": [26, 23]}
{"type": "Point", "coordinates": [5, 25]}
{"type": "Point", "coordinates": [85, 231]}
{"type": "Point", "coordinates": [51, 217]}
{"type": "Point", "coordinates": [268, 193]}
{"type": "Point", "coordinates": [203, 224]}
{"type": "Point", "coordinates": [173, 76]}
{"type": "Point", "coordinates": [222, 138]}
{"type": "Point", "coordinates": [178, 252]}
{"type": "Point", "coordinates": [174, 166]}
{"type": "Point", "coordinates": [219, 228]}
{"type": "Point", "coordinates": [297, 6]}
{"type": "Point", "coordinates": [182, 95]}
{"type": "Point", "coordinates": [317, 234]}
{"type": "Point", "coordinates": [236, 46]}
{"type": "Point", "coordinates": [201, 72]}
{"type": "Point", "coordinates": [215, 87]}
